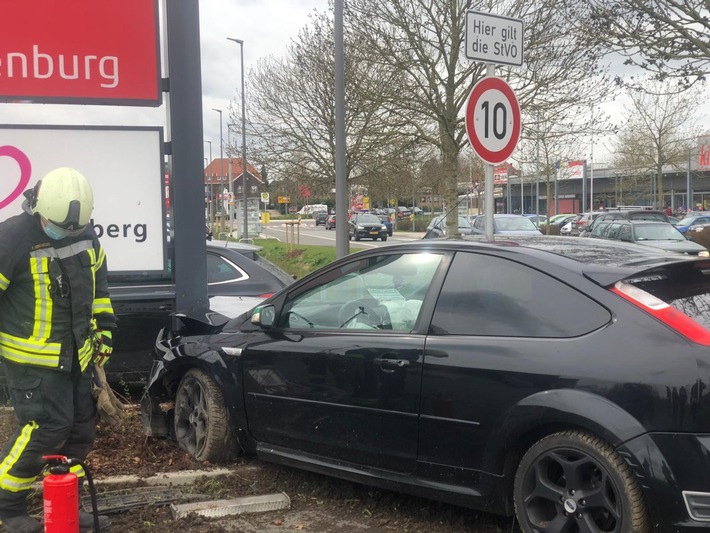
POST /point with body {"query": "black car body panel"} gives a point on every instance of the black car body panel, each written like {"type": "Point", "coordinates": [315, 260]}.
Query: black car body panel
{"type": "Point", "coordinates": [144, 309]}
{"type": "Point", "coordinates": [444, 405]}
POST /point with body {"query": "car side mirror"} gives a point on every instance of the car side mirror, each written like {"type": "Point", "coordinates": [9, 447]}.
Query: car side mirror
{"type": "Point", "coordinates": [264, 316]}
{"type": "Point", "coordinates": [626, 238]}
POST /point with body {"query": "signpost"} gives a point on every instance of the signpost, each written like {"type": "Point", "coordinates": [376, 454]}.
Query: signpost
{"type": "Point", "coordinates": [494, 39]}
{"type": "Point", "coordinates": [493, 120]}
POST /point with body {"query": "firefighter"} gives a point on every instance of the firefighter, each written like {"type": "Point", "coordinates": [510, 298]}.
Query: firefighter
{"type": "Point", "coordinates": [56, 320]}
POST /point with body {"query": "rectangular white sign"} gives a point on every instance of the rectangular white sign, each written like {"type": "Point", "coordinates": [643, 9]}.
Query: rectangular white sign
{"type": "Point", "coordinates": [494, 39]}
{"type": "Point", "coordinates": [125, 169]}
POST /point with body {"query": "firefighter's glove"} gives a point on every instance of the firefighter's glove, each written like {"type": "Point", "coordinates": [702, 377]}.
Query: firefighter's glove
{"type": "Point", "coordinates": [103, 346]}
{"type": "Point", "coordinates": [109, 407]}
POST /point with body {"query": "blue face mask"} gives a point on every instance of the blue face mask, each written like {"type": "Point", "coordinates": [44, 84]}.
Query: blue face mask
{"type": "Point", "coordinates": [52, 233]}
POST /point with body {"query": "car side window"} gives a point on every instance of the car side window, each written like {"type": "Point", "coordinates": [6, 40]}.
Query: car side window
{"type": "Point", "coordinates": [625, 232]}
{"type": "Point", "coordinates": [598, 229]}
{"type": "Point", "coordinates": [380, 292]}
{"type": "Point", "coordinates": [220, 270]}
{"type": "Point", "coordinates": [612, 231]}
{"type": "Point", "coordinates": [491, 296]}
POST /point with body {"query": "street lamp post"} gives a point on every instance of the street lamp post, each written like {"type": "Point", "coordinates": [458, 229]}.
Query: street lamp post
{"type": "Point", "coordinates": [221, 147]}
{"type": "Point", "coordinates": [211, 187]}
{"type": "Point", "coordinates": [231, 180]}
{"type": "Point", "coordinates": [245, 189]}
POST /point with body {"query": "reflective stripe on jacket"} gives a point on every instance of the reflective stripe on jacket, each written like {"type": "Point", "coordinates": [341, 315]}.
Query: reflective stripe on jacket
{"type": "Point", "coordinates": [50, 294]}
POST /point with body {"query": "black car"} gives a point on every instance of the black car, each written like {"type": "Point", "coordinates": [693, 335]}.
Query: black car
{"type": "Point", "coordinates": [662, 235]}
{"type": "Point", "coordinates": [460, 370]}
{"type": "Point", "coordinates": [320, 217]}
{"type": "Point", "coordinates": [366, 226]}
{"type": "Point", "coordinates": [625, 214]}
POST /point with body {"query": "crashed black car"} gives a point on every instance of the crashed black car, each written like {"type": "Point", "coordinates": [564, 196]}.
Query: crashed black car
{"type": "Point", "coordinates": [563, 380]}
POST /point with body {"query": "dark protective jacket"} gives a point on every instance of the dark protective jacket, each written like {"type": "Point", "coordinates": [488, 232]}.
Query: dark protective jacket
{"type": "Point", "coordinates": [53, 295]}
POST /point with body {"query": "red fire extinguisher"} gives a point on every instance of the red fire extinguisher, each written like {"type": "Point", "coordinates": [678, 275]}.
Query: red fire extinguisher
{"type": "Point", "coordinates": [61, 496]}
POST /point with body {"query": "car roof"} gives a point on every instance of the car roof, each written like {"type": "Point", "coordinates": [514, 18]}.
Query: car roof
{"type": "Point", "coordinates": [604, 262]}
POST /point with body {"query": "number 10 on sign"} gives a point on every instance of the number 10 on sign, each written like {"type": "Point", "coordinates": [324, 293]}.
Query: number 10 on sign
{"type": "Point", "coordinates": [493, 120]}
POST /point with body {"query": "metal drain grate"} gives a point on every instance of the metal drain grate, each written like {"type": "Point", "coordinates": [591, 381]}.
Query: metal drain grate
{"type": "Point", "coordinates": [245, 504]}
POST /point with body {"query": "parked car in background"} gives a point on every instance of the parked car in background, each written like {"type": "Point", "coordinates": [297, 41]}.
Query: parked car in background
{"type": "Point", "coordinates": [693, 219]}
{"type": "Point", "coordinates": [403, 212]}
{"type": "Point", "coordinates": [626, 214]}
{"type": "Point", "coordinates": [461, 371]}
{"type": "Point", "coordinates": [385, 219]}
{"type": "Point", "coordinates": [538, 220]}
{"type": "Point", "coordinates": [320, 217]}
{"type": "Point", "coordinates": [330, 222]}
{"type": "Point", "coordinates": [437, 227]}
{"type": "Point", "coordinates": [234, 271]}
{"type": "Point", "coordinates": [366, 226]}
{"type": "Point", "coordinates": [506, 225]}
{"type": "Point", "coordinates": [583, 221]}
{"type": "Point", "coordinates": [662, 235]}
{"type": "Point", "coordinates": [558, 221]}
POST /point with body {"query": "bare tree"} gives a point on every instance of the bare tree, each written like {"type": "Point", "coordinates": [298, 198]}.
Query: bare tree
{"type": "Point", "coordinates": [658, 125]}
{"type": "Point", "coordinates": [423, 41]}
{"type": "Point", "coordinates": [293, 112]}
{"type": "Point", "coordinates": [664, 37]}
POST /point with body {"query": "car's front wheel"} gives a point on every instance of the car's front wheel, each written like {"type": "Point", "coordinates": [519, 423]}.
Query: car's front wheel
{"type": "Point", "coordinates": [575, 481]}
{"type": "Point", "coordinates": [201, 421]}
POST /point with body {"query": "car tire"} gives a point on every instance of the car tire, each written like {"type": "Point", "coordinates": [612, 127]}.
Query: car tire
{"type": "Point", "coordinates": [384, 238]}
{"type": "Point", "coordinates": [201, 420]}
{"type": "Point", "coordinates": [357, 237]}
{"type": "Point", "coordinates": [607, 492]}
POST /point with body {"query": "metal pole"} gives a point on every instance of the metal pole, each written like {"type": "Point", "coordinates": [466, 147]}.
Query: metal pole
{"type": "Point", "coordinates": [189, 267]}
{"type": "Point", "coordinates": [245, 174]}
{"type": "Point", "coordinates": [488, 190]}
{"type": "Point", "coordinates": [221, 160]}
{"type": "Point", "coordinates": [591, 169]}
{"type": "Point", "coordinates": [211, 187]}
{"type": "Point", "coordinates": [689, 187]}
{"type": "Point", "coordinates": [342, 244]}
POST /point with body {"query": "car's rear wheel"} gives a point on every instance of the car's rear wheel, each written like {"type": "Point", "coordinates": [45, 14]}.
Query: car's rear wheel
{"type": "Point", "coordinates": [574, 481]}
{"type": "Point", "coordinates": [201, 421]}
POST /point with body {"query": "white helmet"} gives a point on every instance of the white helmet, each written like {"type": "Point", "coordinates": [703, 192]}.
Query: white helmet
{"type": "Point", "coordinates": [65, 200]}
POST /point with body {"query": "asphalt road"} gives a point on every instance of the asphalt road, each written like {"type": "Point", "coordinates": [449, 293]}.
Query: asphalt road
{"type": "Point", "coordinates": [310, 234]}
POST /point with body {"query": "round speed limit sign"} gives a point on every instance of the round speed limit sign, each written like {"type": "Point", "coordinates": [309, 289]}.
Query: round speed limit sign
{"type": "Point", "coordinates": [493, 120]}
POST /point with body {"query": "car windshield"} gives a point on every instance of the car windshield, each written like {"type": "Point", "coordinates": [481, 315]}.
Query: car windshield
{"type": "Point", "coordinates": [687, 221]}
{"type": "Point", "coordinates": [368, 219]}
{"type": "Point", "coordinates": [514, 223]}
{"type": "Point", "coordinates": [658, 232]}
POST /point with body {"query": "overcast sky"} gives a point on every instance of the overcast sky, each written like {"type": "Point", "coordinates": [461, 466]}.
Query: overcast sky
{"type": "Point", "coordinates": [265, 26]}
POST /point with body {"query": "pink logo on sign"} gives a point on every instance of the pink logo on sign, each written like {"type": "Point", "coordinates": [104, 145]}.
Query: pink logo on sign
{"type": "Point", "coordinates": [25, 172]}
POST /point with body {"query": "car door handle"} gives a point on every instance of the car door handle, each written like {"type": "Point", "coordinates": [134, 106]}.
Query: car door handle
{"type": "Point", "coordinates": [391, 363]}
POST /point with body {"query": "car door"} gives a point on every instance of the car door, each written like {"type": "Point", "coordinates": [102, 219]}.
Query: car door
{"type": "Point", "coordinates": [498, 327]}
{"type": "Point", "coordinates": [340, 373]}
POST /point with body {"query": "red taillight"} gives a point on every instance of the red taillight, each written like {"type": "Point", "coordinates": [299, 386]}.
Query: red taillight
{"type": "Point", "coordinates": [667, 314]}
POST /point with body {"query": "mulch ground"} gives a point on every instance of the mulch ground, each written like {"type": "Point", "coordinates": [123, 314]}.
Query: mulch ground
{"type": "Point", "coordinates": [318, 503]}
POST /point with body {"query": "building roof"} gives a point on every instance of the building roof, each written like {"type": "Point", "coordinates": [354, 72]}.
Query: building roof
{"type": "Point", "coordinates": [220, 167]}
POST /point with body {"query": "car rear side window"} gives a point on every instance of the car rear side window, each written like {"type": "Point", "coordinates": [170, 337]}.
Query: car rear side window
{"type": "Point", "coordinates": [487, 295]}
{"type": "Point", "coordinates": [219, 270]}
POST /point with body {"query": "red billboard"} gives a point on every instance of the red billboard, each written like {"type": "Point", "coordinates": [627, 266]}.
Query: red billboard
{"type": "Point", "coordinates": [80, 51]}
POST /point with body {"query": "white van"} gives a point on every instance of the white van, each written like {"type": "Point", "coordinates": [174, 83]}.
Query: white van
{"type": "Point", "coordinates": [310, 209]}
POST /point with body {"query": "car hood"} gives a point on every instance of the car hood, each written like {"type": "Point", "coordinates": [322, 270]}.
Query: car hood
{"type": "Point", "coordinates": [233, 306]}
{"type": "Point", "coordinates": [685, 247]}
{"type": "Point", "coordinates": [518, 232]}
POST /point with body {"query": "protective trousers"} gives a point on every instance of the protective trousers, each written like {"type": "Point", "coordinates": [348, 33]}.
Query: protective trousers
{"type": "Point", "coordinates": [56, 415]}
